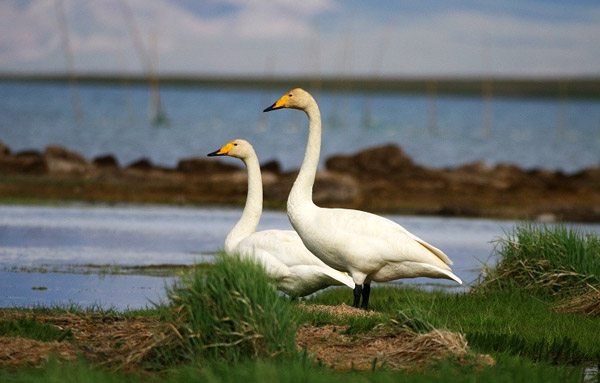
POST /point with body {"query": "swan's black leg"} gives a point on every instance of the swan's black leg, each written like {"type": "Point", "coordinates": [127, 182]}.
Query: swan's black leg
{"type": "Point", "coordinates": [357, 293]}
{"type": "Point", "coordinates": [366, 291]}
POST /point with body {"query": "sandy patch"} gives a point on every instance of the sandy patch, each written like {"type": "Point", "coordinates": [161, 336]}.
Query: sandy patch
{"type": "Point", "coordinates": [340, 311]}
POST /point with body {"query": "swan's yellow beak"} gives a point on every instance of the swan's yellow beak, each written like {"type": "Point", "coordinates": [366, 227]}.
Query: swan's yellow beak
{"type": "Point", "coordinates": [223, 151]}
{"type": "Point", "coordinates": [279, 104]}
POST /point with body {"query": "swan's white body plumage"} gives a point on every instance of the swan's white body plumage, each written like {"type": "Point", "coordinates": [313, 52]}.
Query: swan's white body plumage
{"type": "Point", "coordinates": [370, 247]}
{"type": "Point", "coordinates": [367, 246]}
{"type": "Point", "coordinates": [295, 269]}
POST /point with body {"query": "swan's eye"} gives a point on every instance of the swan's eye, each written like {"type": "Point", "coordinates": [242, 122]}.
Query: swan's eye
{"type": "Point", "coordinates": [291, 95]}
{"type": "Point", "coordinates": [234, 144]}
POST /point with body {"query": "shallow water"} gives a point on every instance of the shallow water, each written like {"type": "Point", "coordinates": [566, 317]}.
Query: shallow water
{"type": "Point", "coordinates": [120, 292]}
{"type": "Point", "coordinates": [50, 238]}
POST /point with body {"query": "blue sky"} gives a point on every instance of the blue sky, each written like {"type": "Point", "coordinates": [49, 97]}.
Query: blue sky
{"type": "Point", "coordinates": [270, 37]}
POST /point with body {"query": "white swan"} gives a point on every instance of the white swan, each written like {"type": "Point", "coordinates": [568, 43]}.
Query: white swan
{"type": "Point", "coordinates": [296, 270]}
{"type": "Point", "coordinates": [367, 246]}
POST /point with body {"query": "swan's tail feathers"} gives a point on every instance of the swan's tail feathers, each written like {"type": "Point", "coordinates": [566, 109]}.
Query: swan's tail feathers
{"type": "Point", "coordinates": [433, 271]}
{"type": "Point", "coordinates": [454, 277]}
{"type": "Point", "coordinates": [439, 253]}
{"type": "Point", "coordinates": [319, 275]}
{"type": "Point", "coordinates": [339, 276]}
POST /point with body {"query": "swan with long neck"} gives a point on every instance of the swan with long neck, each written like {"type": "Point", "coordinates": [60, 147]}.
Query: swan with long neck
{"type": "Point", "coordinates": [296, 270]}
{"type": "Point", "coordinates": [365, 245]}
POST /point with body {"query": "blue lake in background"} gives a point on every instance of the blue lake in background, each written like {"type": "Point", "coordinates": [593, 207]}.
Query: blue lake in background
{"type": "Point", "coordinates": [558, 134]}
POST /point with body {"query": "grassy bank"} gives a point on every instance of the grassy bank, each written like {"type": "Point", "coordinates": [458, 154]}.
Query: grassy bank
{"type": "Point", "coordinates": [511, 322]}
{"type": "Point", "coordinates": [546, 260]}
{"type": "Point", "coordinates": [228, 324]}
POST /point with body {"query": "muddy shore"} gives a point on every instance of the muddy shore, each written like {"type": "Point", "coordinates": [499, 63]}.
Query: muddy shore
{"type": "Point", "coordinates": [381, 179]}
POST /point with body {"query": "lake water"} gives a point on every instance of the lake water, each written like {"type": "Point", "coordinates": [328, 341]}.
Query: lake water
{"type": "Point", "coordinates": [440, 132]}
{"type": "Point", "coordinates": [64, 237]}
{"type": "Point", "coordinates": [445, 131]}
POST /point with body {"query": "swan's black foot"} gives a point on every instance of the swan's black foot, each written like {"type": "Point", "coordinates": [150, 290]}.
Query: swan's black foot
{"type": "Point", "coordinates": [362, 291]}
{"type": "Point", "coordinates": [357, 294]}
{"type": "Point", "coordinates": [366, 291]}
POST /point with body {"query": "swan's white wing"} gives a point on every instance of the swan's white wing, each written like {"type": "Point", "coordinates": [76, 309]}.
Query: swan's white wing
{"type": "Point", "coordinates": [286, 258]}
{"type": "Point", "coordinates": [252, 247]}
{"type": "Point", "coordinates": [285, 245]}
{"type": "Point", "coordinates": [306, 279]}
{"type": "Point", "coordinates": [366, 241]}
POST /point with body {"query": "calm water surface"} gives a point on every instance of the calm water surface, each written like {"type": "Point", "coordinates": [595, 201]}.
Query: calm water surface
{"type": "Point", "coordinates": [79, 235]}
{"type": "Point", "coordinates": [443, 131]}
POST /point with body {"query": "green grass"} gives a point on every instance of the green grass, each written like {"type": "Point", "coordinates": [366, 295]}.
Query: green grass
{"type": "Point", "coordinates": [32, 329]}
{"type": "Point", "coordinates": [93, 309]}
{"type": "Point", "coordinates": [231, 312]}
{"type": "Point", "coordinates": [507, 369]}
{"type": "Point", "coordinates": [550, 260]}
{"type": "Point", "coordinates": [510, 321]}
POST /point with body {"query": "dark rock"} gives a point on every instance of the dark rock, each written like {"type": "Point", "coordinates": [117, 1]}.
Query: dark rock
{"type": "Point", "coordinates": [62, 161]}
{"type": "Point", "coordinates": [58, 152]}
{"type": "Point", "coordinates": [589, 174]}
{"type": "Point", "coordinates": [141, 164]}
{"type": "Point", "coordinates": [510, 175]}
{"type": "Point", "coordinates": [541, 173]}
{"type": "Point", "coordinates": [477, 167]}
{"type": "Point", "coordinates": [107, 160]}
{"type": "Point", "coordinates": [380, 161]}
{"type": "Point", "coordinates": [330, 188]}
{"type": "Point", "coordinates": [508, 170]}
{"type": "Point", "coordinates": [271, 166]}
{"type": "Point", "coordinates": [335, 188]}
{"type": "Point", "coordinates": [203, 165]}
{"type": "Point", "coordinates": [4, 150]}
{"type": "Point", "coordinates": [29, 153]}
{"type": "Point", "coordinates": [26, 162]}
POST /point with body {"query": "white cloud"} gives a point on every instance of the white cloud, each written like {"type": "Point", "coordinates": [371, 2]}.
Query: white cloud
{"type": "Point", "coordinates": [250, 33]}
{"type": "Point", "coordinates": [475, 43]}
{"type": "Point", "coordinates": [24, 35]}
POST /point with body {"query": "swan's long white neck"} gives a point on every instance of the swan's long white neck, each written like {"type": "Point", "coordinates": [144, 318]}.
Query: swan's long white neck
{"type": "Point", "coordinates": [300, 197]}
{"type": "Point", "coordinates": [253, 208]}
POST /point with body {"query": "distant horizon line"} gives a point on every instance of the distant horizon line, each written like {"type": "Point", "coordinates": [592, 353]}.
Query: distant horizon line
{"type": "Point", "coordinates": [583, 86]}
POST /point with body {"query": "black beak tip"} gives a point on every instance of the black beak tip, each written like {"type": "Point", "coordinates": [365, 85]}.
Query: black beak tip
{"type": "Point", "coordinates": [213, 154]}
{"type": "Point", "coordinates": [270, 108]}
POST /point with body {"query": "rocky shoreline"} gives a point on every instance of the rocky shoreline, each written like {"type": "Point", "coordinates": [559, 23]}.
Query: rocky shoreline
{"type": "Point", "coordinates": [381, 179]}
